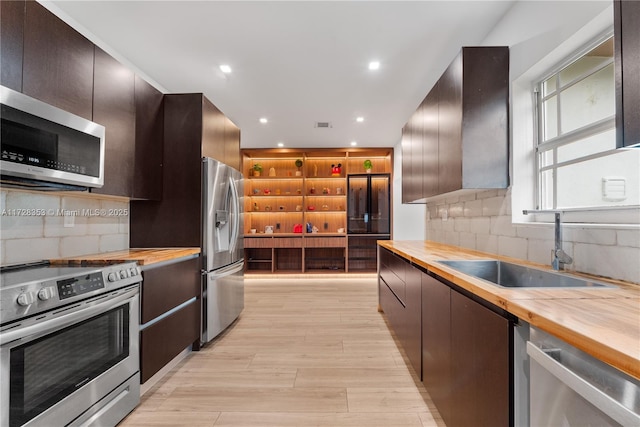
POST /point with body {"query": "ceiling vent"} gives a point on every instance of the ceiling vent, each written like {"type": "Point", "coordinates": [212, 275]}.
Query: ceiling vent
{"type": "Point", "coordinates": [323, 125]}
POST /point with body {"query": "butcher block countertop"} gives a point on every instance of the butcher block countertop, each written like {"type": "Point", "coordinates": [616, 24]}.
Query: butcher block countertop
{"type": "Point", "coordinates": [604, 322]}
{"type": "Point", "coordinates": [143, 256]}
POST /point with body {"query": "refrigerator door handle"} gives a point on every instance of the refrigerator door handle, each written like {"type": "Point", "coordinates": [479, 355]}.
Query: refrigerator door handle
{"type": "Point", "coordinates": [226, 271]}
{"type": "Point", "coordinates": [233, 217]}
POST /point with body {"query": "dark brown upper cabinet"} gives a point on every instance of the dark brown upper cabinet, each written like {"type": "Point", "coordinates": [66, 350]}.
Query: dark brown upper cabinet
{"type": "Point", "coordinates": [147, 182]}
{"type": "Point", "coordinates": [232, 144]}
{"type": "Point", "coordinates": [114, 108]}
{"type": "Point", "coordinates": [57, 62]}
{"type": "Point", "coordinates": [407, 175]}
{"type": "Point", "coordinates": [627, 65]}
{"type": "Point", "coordinates": [462, 136]}
{"type": "Point", "coordinates": [193, 128]}
{"type": "Point", "coordinates": [12, 15]}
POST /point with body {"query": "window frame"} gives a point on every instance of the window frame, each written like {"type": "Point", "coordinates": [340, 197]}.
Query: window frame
{"type": "Point", "coordinates": [609, 214]}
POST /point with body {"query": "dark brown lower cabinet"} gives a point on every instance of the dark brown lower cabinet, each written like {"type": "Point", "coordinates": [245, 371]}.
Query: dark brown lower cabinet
{"type": "Point", "coordinates": [436, 344]}
{"type": "Point", "coordinates": [480, 365]}
{"type": "Point", "coordinates": [163, 289]}
{"type": "Point", "coordinates": [461, 346]}
{"type": "Point", "coordinates": [403, 315]}
{"type": "Point", "coordinates": [164, 340]}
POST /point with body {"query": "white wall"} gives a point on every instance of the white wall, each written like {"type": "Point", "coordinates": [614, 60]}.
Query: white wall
{"type": "Point", "coordinates": [408, 219]}
{"type": "Point", "coordinates": [491, 221]}
{"type": "Point", "coordinates": [32, 225]}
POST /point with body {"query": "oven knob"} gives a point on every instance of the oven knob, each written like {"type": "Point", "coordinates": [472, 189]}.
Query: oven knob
{"type": "Point", "coordinates": [26, 298]}
{"type": "Point", "coordinates": [112, 277]}
{"type": "Point", "coordinates": [123, 274]}
{"type": "Point", "coordinates": [132, 272]}
{"type": "Point", "coordinates": [45, 293]}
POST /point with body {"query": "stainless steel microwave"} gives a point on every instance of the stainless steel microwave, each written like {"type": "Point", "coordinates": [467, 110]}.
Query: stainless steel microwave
{"type": "Point", "coordinates": [43, 146]}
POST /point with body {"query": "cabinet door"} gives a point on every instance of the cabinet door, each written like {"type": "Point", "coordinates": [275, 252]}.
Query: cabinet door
{"type": "Point", "coordinates": [11, 43]}
{"type": "Point", "coordinates": [449, 128]}
{"type": "Point", "coordinates": [380, 214]}
{"type": "Point", "coordinates": [480, 365]}
{"type": "Point", "coordinates": [417, 125]}
{"type": "Point", "coordinates": [430, 143]}
{"type": "Point", "coordinates": [232, 144]}
{"type": "Point", "coordinates": [212, 131]}
{"type": "Point", "coordinates": [149, 141]}
{"type": "Point", "coordinates": [436, 344]}
{"type": "Point", "coordinates": [57, 63]}
{"type": "Point", "coordinates": [627, 46]}
{"type": "Point", "coordinates": [411, 334]}
{"type": "Point", "coordinates": [114, 108]}
{"type": "Point", "coordinates": [407, 176]}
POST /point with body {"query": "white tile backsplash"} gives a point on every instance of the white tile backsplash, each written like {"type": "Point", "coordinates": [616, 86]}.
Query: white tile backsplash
{"type": "Point", "coordinates": [25, 250]}
{"type": "Point", "coordinates": [486, 225]}
{"type": "Point", "coordinates": [99, 224]}
{"type": "Point", "coordinates": [630, 238]}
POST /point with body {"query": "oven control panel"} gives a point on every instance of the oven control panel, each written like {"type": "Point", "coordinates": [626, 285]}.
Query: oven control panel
{"type": "Point", "coordinates": [54, 287]}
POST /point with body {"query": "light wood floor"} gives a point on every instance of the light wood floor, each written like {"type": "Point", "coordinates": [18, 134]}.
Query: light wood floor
{"type": "Point", "coordinates": [304, 352]}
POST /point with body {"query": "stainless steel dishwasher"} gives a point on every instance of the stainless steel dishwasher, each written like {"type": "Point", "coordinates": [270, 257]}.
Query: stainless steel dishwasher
{"type": "Point", "coordinates": [570, 388]}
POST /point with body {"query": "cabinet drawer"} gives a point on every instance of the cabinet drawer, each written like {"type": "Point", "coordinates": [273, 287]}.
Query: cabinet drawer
{"type": "Point", "coordinates": [258, 242]}
{"type": "Point", "coordinates": [164, 340]}
{"type": "Point", "coordinates": [325, 242]}
{"type": "Point", "coordinates": [287, 242]}
{"type": "Point", "coordinates": [164, 288]}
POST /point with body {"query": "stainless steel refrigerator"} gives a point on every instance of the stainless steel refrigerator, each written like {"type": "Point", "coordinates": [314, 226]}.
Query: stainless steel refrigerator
{"type": "Point", "coordinates": [222, 247]}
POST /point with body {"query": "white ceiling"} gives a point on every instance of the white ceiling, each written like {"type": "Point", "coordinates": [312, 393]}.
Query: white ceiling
{"type": "Point", "coordinates": [293, 62]}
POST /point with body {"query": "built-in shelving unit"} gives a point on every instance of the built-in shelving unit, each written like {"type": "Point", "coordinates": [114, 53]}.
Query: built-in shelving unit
{"type": "Point", "coordinates": [296, 216]}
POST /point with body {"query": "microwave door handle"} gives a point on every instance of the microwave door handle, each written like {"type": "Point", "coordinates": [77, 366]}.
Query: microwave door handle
{"type": "Point", "coordinates": [47, 326]}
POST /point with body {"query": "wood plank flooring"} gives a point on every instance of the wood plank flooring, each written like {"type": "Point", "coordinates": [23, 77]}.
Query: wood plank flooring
{"type": "Point", "coordinates": [304, 352]}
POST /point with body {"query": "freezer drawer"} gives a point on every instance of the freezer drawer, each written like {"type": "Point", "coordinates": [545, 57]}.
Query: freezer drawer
{"type": "Point", "coordinates": [223, 299]}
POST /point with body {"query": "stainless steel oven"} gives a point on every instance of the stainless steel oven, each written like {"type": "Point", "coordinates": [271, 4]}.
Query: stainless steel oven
{"type": "Point", "coordinates": [69, 345]}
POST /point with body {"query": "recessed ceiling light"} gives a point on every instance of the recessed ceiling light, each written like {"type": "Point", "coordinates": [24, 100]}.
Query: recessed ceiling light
{"type": "Point", "coordinates": [225, 69]}
{"type": "Point", "coordinates": [360, 119]}
{"type": "Point", "coordinates": [280, 144]}
{"type": "Point", "coordinates": [263, 120]}
{"type": "Point", "coordinates": [374, 65]}
{"type": "Point", "coordinates": [354, 143]}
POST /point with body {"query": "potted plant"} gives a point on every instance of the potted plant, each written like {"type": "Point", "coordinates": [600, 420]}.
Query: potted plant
{"type": "Point", "coordinates": [257, 169]}
{"type": "Point", "coordinates": [367, 166]}
{"type": "Point", "coordinates": [299, 165]}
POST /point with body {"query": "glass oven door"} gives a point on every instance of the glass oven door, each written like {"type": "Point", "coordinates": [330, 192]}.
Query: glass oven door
{"type": "Point", "coordinates": [53, 371]}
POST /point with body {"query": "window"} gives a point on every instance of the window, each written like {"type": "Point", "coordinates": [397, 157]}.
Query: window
{"type": "Point", "coordinates": [578, 165]}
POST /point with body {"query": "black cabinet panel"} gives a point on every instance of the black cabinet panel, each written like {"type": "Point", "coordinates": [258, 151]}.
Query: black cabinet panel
{"type": "Point", "coordinates": [627, 64]}
{"type": "Point", "coordinates": [114, 108]}
{"type": "Point", "coordinates": [436, 344]}
{"type": "Point", "coordinates": [147, 183]}
{"type": "Point", "coordinates": [58, 62]}
{"type": "Point", "coordinates": [12, 15]}
{"type": "Point", "coordinates": [480, 365]}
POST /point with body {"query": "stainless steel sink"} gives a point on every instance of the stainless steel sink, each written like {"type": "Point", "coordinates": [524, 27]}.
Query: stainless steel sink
{"type": "Point", "coordinates": [511, 275]}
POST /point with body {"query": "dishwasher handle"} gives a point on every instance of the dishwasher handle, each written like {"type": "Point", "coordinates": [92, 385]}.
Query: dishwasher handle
{"type": "Point", "coordinates": [593, 395]}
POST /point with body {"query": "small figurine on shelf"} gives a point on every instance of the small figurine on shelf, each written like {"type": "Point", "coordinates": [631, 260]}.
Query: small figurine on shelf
{"type": "Point", "coordinates": [257, 169]}
{"type": "Point", "coordinates": [299, 165]}
{"type": "Point", "coordinates": [272, 171]}
{"type": "Point", "coordinates": [315, 170]}
{"type": "Point", "coordinates": [336, 170]}
{"type": "Point", "coordinates": [367, 166]}
{"type": "Point", "coordinates": [255, 207]}
{"type": "Point", "coordinates": [325, 190]}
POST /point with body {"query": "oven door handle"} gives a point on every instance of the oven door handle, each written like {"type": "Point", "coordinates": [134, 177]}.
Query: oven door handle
{"type": "Point", "coordinates": [48, 325]}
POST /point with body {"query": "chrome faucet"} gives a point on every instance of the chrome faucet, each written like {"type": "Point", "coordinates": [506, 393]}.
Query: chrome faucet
{"type": "Point", "coordinates": [560, 257]}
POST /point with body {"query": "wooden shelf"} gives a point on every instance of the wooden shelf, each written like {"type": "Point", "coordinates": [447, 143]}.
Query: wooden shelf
{"type": "Point", "coordinates": [284, 200]}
